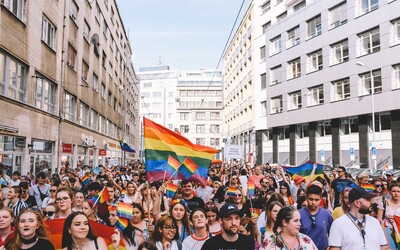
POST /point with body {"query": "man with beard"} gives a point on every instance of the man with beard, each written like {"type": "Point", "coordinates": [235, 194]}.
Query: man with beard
{"type": "Point", "coordinates": [229, 238]}
{"type": "Point", "coordinates": [356, 229]}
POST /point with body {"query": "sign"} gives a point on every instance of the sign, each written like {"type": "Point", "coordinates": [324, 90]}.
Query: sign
{"type": "Point", "coordinates": [373, 153]}
{"type": "Point", "coordinates": [113, 161]}
{"type": "Point", "coordinates": [38, 145]}
{"type": "Point", "coordinates": [322, 155]}
{"type": "Point", "coordinates": [102, 152]}
{"type": "Point", "coordinates": [352, 158]}
{"type": "Point", "coordinates": [67, 148]}
{"type": "Point", "coordinates": [233, 151]}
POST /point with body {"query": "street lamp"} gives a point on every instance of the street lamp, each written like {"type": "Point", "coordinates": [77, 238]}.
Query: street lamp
{"type": "Point", "coordinates": [373, 106]}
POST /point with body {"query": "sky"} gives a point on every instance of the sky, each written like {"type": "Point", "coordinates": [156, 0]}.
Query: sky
{"type": "Point", "coordinates": [184, 34]}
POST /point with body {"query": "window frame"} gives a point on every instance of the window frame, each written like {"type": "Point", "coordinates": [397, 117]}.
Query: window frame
{"type": "Point", "coordinates": [294, 68]}
{"type": "Point", "coordinates": [342, 47]}
{"type": "Point", "coordinates": [369, 35]}
{"type": "Point", "coordinates": [49, 32]}
{"type": "Point", "coordinates": [314, 25]}
{"type": "Point", "coordinates": [344, 85]}
{"type": "Point", "coordinates": [295, 100]}
{"type": "Point", "coordinates": [315, 93]}
{"type": "Point", "coordinates": [365, 88]}
{"type": "Point", "coordinates": [40, 101]}
{"type": "Point", "coordinates": [69, 107]}
{"type": "Point", "coordinates": [315, 61]}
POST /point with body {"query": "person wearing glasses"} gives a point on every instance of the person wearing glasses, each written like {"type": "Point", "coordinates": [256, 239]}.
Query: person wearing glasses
{"type": "Point", "coordinates": [338, 185]}
{"type": "Point", "coordinates": [50, 211]}
{"type": "Point", "coordinates": [240, 201]}
{"type": "Point", "coordinates": [315, 221]}
{"type": "Point", "coordinates": [51, 198]}
{"type": "Point", "coordinates": [6, 228]}
{"type": "Point", "coordinates": [196, 240]}
{"type": "Point", "coordinates": [212, 218]}
{"type": "Point", "coordinates": [166, 235]}
{"type": "Point", "coordinates": [64, 201]}
{"type": "Point", "coordinates": [356, 229]}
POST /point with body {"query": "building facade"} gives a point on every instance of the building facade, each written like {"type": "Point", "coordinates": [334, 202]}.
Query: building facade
{"type": "Point", "coordinates": [67, 85]}
{"type": "Point", "coordinates": [330, 65]}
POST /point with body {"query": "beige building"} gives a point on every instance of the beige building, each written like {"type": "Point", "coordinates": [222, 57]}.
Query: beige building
{"type": "Point", "coordinates": [67, 84]}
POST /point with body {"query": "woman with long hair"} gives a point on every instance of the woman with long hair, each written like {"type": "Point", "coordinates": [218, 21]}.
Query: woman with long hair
{"type": "Point", "coordinates": [89, 211]}
{"type": "Point", "coordinates": [79, 197]}
{"type": "Point", "coordinates": [78, 235]}
{"type": "Point", "coordinates": [272, 212]}
{"type": "Point", "coordinates": [289, 237]}
{"type": "Point", "coordinates": [262, 218]}
{"type": "Point", "coordinates": [240, 201]}
{"type": "Point", "coordinates": [6, 226]}
{"type": "Point", "coordinates": [284, 190]}
{"type": "Point", "coordinates": [30, 232]}
{"type": "Point", "coordinates": [134, 234]}
{"type": "Point", "coordinates": [248, 227]}
{"type": "Point", "coordinates": [387, 210]}
{"type": "Point", "coordinates": [344, 204]}
{"type": "Point", "coordinates": [214, 227]}
{"type": "Point", "coordinates": [166, 235]}
{"type": "Point", "coordinates": [64, 201]}
{"type": "Point", "coordinates": [131, 194]}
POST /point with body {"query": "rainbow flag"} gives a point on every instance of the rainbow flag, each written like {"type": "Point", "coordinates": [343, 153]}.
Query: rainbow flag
{"type": "Point", "coordinates": [395, 234]}
{"type": "Point", "coordinates": [305, 170]}
{"type": "Point", "coordinates": [160, 143]}
{"type": "Point", "coordinates": [121, 224]}
{"type": "Point", "coordinates": [85, 180]}
{"type": "Point", "coordinates": [187, 168]}
{"type": "Point", "coordinates": [231, 191]}
{"type": "Point", "coordinates": [125, 147]}
{"type": "Point", "coordinates": [250, 189]}
{"type": "Point", "coordinates": [124, 210]}
{"type": "Point", "coordinates": [170, 189]}
{"type": "Point", "coordinates": [172, 166]}
{"type": "Point", "coordinates": [369, 187]}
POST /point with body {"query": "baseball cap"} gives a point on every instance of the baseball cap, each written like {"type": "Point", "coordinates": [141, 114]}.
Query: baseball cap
{"type": "Point", "coordinates": [357, 193]}
{"type": "Point", "coordinates": [228, 209]}
{"type": "Point", "coordinates": [298, 179]}
{"type": "Point", "coordinates": [389, 172]}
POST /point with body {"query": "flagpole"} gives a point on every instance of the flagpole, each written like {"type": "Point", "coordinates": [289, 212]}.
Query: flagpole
{"type": "Point", "coordinates": [98, 198]}
{"type": "Point", "coordinates": [148, 201]}
{"type": "Point", "coordinates": [173, 174]}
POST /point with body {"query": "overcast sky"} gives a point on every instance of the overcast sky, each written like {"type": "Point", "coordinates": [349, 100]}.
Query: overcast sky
{"type": "Point", "coordinates": [185, 34]}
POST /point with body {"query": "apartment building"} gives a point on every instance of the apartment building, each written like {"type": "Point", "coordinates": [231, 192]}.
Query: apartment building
{"type": "Point", "coordinates": [329, 66]}
{"type": "Point", "coordinates": [67, 84]}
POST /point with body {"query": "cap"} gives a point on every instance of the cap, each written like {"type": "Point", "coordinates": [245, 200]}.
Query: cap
{"type": "Point", "coordinates": [357, 193]}
{"type": "Point", "coordinates": [229, 209]}
{"type": "Point", "coordinates": [390, 172]}
{"type": "Point", "coordinates": [298, 179]}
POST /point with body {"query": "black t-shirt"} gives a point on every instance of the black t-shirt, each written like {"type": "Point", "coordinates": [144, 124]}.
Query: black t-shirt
{"type": "Point", "coordinates": [338, 185]}
{"type": "Point", "coordinates": [218, 243]}
{"type": "Point", "coordinates": [195, 202]}
{"type": "Point", "coordinates": [31, 201]}
{"type": "Point", "coordinates": [41, 244]}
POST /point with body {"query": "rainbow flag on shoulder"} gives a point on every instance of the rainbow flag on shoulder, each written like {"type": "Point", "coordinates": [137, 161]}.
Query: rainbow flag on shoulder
{"type": "Point", "coordinates": [160, 143]}
{"type": "Point", "coordinates": [305, 170]}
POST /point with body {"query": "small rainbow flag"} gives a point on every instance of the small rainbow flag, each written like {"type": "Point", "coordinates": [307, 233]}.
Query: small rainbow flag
{"type": "Point", "coordinates": [85, 180]}
{"type": "Point", "coordinates": [172, 166]}
{"type": "Point", "coordinates": [187, 168]}
{"type": "Point", "coordinates": [124, 210]}
{"type": "Point", "coordinates": [122, 194]}
{"type": "Point", "coordinates": [231, 191]}
{"type": "Point", "coordinates": [250, 189]}
{"type": "Point", "coordinates": [171, 190]}
{"type": "Point", "coordinates": [121, 224]}
{"type": "Point", "coordinates": [369, 187]}
{"type": "Point", "coordinates": [105, 196]}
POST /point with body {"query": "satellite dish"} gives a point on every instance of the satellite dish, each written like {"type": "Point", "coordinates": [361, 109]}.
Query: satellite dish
{"type": "Point", "coordinates": [95, 39]}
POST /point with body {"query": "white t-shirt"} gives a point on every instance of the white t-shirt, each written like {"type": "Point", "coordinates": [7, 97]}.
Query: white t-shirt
{"type": "Point", "coordinates": [347, 236]}
{"type": "Point", "coordinates": [192, 243]}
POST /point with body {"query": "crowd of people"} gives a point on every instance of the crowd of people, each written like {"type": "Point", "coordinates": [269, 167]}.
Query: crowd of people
{"type": "Point", "coordinates": [333, 211]}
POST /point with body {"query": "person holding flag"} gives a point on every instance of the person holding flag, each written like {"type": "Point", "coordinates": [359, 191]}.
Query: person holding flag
{"type": "Point", "coordinates": [188, 195]}
{"type": "Point", "coordinates": [105, 199]}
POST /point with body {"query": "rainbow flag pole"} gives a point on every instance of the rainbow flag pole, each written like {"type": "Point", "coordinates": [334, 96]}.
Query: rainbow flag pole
{"type": "Point", "coordinates": [172, 164]}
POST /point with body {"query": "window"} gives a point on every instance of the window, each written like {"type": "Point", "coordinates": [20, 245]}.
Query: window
{"type": "Point", "coordinates": [215, 116]}
{"type": "Point", "coordinates": [281, 16]}
{"type": "Point", "coordinates": [276, 105]}
{"type": "Point", "coordinates": [275, 45]}
{"type": "Point", "coordinates": [17, 7]}
{"type": "Point", "coordinates": [314, 27]}
{"type": "Point", "coordinates": [104, 59]}
{"type": "Point", "coordinates": [283, 133]}
{"type": "Point", "coordinates": [294, 68]}
{"type": "Point", "coordinates": [263, 108]}
{"type": "Point", "coordinates": [316, 95]}
{"type": "Point", "coordinates": [69, 107]}
{"type": "Point", "coordinates": [103, 91]}
{"type": "Point", "coordinates": [200, 141]}
{"type": "Point", "coordinates": [48, 32]}
{"type": "Point", "coordinates": [382, 122]}
{"type": "Point", "coordinates": [200, 129]}
{"type": "Point", "coordinates": [369, 42]}
{"type": "Point", "coordinates": [94, 117]}
{"type": "Point", "coordinates": [86, 31]}
{"type": "Point", "coordinates": [348, 126]}
{"type": "Point", "coordinates": [184, 116]}
{"type": "Point", "coordinates": [157, 105]}
{"type": "Point", "coordinates": [95, 83]}
{"type": "Point", "coordinates": [71, 56]}
{"type": "Point", "coordinates": [266, 26]}
{"type": "Point", "coordinates": [214, 141]}
{"type": "Point", "coordinates": [293, 37]}
{"type": "Point", "coordinates": [12, 78]}
{"type": "Point", "coordinates": [263, 81]}
{"type": "Point", "coordinates": [338, 15]}
{"type": "Point", "coordinates": [262, 52]}
{"type": "Point", "coordinates": [294, 101]}
{"type": "Point", "coordinates": [366, 6]}
{"type": "Point", "coordinates": [340, 52]}
{"type": "Point", "coordinates": [102, 124]}
{"type": "Point", "coordinates": [395, 34]}
{"type": "Point", "coordinates": [156, 94]}
{"type": "Point", "coordinates": [98, 13]}
{"type": "Point", "coordinates": [299, 5]}
{"type": "Point", "coordinates": [85, 69]}
{"type": "Point", "coordinates": [110, 98]}
{"type": "Point", "coordinates": [83, 114]}
{"type": "Point", "coordinates": [396, 76]}
{"type": "Point", "coordinates": [146, 94]}
{"type": "Point", "coordinates": [184, 128]}
{"type": "Point", "coordinates": [73, 11]}
{"type": "Point", "coordinates": [276, 75]}
{"type": "Point", "coordinates": [214, 128]}
{"type": "Point", "coordinates": [301, 130]}
{"type": "Point", "coordinates": [315, 61]}
{"type": "Point", "coordinates": [365, 87]}
{"type": "Point", "coordinates": [200, 115]}
{"type": "Point", "coordinates": [341, 89]}
{"type": "Point", "coordinates": [45, 94]}
{"type": "Point", "coordinates": [324, 128]}
{"type": "Point", "coordinates": [266, 7]}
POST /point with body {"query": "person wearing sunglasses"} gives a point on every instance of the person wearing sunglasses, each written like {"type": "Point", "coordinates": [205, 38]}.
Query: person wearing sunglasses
{"type": "Point", "coordinates": [338, 184]}
{"type": "Point", "coordinates": [315, 221]}
{"type": "Point", "coordinates": [51, 198]}
{"type": "Point", "coordinates": [166, 235]}
{"type": "Point", "coordinates": [50, 211]}
{"type": "Point", "coordinates": [240, 201]}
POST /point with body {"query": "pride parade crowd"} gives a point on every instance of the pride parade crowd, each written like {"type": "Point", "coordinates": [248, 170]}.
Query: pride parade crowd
{"type": "Point", "coordinates": [238, 207]}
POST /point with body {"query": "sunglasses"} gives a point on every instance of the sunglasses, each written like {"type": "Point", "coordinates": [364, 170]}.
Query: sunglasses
{"type": "Point", "coordinates": [210, 206]}
{"type": "Point", "coordinates": [49, 213]}
{"type": "Point", "coordinates": [53, 190]}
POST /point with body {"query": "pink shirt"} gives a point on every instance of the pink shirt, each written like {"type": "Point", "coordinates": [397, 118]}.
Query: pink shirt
{"type": "Point", "coordinates": [256, 179]}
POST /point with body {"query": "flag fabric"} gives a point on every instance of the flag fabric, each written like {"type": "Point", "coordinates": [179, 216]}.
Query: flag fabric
{"type": "Point", "coordinates": [172, 166]}
{"type": "Point", "coordinates": [256, 211]}
{"type": "Point", "coordinates": [104, 195]}
{"type": "Point", "coordinates": [187, 168]}
{"type": "Point", "coordinates": [160, 143]}
{"type": "Point", "coordinates": [231, 191]}
{"type": "Point", "coordinates": [305, 170]}
{"type": "Point", "coordinates": [124, 210]}
{"type": "Point", "coordinates": [96, 170]}
{"type": "Point", "coordinates": [125, 147]}
{"type": "Point", "coordinates": [170, 189]}
{"type": "Point", "coordinates": [85, 180]}
{"type": "Point", "coordinates": [94, 199]}
{"type": "Point", "coordinates": [123, 194]}
{"type": "Point", "coordinates": [395, 234]}
{"type": "Point", "coordinates": [369, 187]}
{"type": "Point", "coordinates": [121, 223]}
{"type": "Point", "coordinates": [250, 189]}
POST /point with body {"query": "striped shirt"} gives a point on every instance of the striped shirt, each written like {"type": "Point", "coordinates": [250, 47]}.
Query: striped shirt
{"type": "Point", "coordinates": [18, 207]}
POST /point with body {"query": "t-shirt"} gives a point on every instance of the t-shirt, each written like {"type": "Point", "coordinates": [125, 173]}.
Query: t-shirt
{"type": "Point", "coordinates": [192, 243]}
{"type": "Point", "coordinates": [320, 232]}
{"type": "Point", "coordinates": [195, 202]}
{"type": "Point", "coordinates": [347, 236]}
{"type": "Point", "coordinates": [338, 185]}
{"type": "Point", "coordinates": [41, 244]}
{"type": "Point", "coordinates": [219, 243]}
{"type": "Point", "coordinates": [31, 202]}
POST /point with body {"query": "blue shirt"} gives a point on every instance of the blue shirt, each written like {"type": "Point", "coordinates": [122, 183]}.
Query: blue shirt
{"type": "Point", "coordinates": [320, 232]}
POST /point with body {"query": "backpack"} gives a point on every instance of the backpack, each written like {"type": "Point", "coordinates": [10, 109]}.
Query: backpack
{"type": "Point", "coordinates": [42, 196]}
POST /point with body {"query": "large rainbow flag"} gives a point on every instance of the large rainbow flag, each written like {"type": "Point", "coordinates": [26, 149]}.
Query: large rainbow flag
{"type": "Point", "coordinates": [305, 170]}
{"type": "Point", "coordinates": [160, 143]}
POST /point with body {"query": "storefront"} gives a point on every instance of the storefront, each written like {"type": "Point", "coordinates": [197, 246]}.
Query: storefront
{"type": "Point", "coordinates": [41, 156]}
{"type": "Point", "coordinates": [12, 153]}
